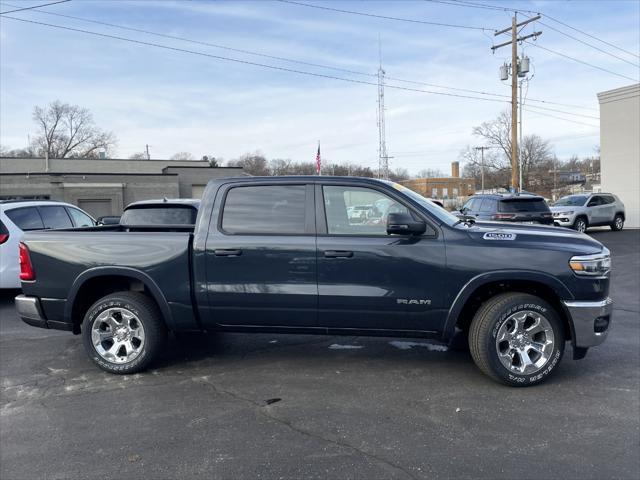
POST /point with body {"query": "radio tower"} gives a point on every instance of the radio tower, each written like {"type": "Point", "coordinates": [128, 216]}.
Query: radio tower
{"type": "Point", "coordinates": [383, 157]}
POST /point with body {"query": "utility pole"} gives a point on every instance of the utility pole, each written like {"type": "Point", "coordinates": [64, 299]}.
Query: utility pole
{"type": "Point", "coordinates": [482, 149]}
{"type": "Point", "coordinates": [514, 86]}
{"type": "Point", "coordinates": [147, 148]}
{"type": "Point", "coordinates": [520, 155]}
{"type": "Point", "coordinates": [383, 156]}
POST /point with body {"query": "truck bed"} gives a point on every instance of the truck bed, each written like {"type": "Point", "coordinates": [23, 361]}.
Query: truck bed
{"type": "Point", "coordinates": [63, 259]}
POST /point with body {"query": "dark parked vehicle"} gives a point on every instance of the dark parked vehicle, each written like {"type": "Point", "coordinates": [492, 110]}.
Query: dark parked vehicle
{"type": "Point", "coordinates": [181, 211]}
{"type": "Point", "coordinates": [279, 254]}
{"type": "Point", "coordinates": [523, 208]}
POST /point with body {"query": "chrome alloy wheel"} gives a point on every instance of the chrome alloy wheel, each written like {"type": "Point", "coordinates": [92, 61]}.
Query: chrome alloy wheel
{"type": "Point", "coordinates": [619, 223]}
{"type": "Point", "coordinates": [581, 225]}
{"type": "Point", "coordinates": [117, 335]}
{"type": "Point", "coordinates": [525, 342]}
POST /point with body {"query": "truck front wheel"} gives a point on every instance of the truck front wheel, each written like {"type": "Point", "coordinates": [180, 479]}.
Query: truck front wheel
{"type": "Point", "coordinates": [123, 332]}
{"type": "Point", "coordinates": [516, 339]}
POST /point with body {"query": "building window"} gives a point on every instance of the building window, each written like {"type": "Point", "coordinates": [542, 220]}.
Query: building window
{"type": "Point", "coordinates": [434, 192]}
{"type": "Point", "coordinates": [455, 193]}
{"type": "Point", "coordinates": [445, 192]}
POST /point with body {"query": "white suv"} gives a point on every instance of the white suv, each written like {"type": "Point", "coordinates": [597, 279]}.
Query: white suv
{"type": "Point", "coordinates": [17, 217]}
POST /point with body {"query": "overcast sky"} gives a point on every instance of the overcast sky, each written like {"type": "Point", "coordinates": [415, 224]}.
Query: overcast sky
{"type": "Point", "coordinates": [176, 101]}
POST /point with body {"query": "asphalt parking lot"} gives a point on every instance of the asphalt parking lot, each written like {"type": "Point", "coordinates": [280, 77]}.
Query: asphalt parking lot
{"type": "Point", "coordinates": [271, 406]}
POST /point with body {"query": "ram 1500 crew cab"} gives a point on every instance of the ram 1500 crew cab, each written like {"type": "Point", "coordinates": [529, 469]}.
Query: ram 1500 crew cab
{"type": "Point", "coordinates": [282, 254]}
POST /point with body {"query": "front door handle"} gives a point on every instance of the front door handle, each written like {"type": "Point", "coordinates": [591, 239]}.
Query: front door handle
{"type": "Point", "coordinates": [227, 252]}
{"type": "Point", "coordinates": [338, 254]}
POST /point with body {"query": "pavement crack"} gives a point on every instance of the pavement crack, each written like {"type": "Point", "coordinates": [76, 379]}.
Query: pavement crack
{"type": "Point", "coordinates": [266, 411]}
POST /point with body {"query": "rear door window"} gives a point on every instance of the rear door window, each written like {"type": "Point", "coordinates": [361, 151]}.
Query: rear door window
{"type": "Point", "coordinates": [80, 219]}
{"type": "Point", "coordinates": [488, 205]}
{"type": "Point", "coordinates": [55, 217]}
{"type": "Point", "coordinates": [26, 218]}
{"type": "Point", "coordinates": [266, 209]}
{"type": "Point", "coordinates": [524, 205]}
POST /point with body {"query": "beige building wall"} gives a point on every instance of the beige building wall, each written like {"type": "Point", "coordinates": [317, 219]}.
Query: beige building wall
{"type": "Point", "coordinates": [620, 148]}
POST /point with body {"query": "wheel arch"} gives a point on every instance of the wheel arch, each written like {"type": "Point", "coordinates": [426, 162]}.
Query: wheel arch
{"type": "Point", "coordinates": [484, 286]}
{"type": "Point", "coordinates": [95, 283]}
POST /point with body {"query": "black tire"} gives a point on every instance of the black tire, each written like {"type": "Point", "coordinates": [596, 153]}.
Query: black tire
{"type": "Point", "coordinates": [618, 223]}
{"type": "Point", "coordinates": [145, 312]}
{"type": "Point", "coordinates": [580, 224]}
{"type": "Point", "coordinates": [489, 319]}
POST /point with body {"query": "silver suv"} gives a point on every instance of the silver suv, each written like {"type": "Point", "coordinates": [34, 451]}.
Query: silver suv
{"type": "Point", "coordinates": [589, 210]}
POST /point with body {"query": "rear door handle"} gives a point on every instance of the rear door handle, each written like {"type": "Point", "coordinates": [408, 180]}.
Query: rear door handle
{"type": "Point", "coordinates": [227, 252]}
{"type": "Point", "coordinates": [338, 254]}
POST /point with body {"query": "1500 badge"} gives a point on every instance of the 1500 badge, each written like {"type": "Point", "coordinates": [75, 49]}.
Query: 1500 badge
{"type": "Point", "coordinates": [499, 236]}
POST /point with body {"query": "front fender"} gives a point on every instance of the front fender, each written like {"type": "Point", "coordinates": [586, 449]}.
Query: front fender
{"type": "Point", "coordinates": [129, 272]}
{"type": "Point", "coordinates": [496, 276]}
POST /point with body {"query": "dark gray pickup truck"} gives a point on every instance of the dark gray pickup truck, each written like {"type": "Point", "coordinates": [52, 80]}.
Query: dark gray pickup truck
{"type": "Point", "coordinates": [280, 254]}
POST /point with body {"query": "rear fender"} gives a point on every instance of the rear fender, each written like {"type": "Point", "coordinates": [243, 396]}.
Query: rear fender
{"type": "Point", "coordinates": [132, 273]}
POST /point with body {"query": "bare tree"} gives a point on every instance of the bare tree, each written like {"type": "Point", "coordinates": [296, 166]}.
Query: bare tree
{"type": "Point", "coordinates": [430, 173]}
{"type": "Point", "coordinates": [68, 131]}
{"type": "Point", "coordinates": [138, 156]}
{"type": "Point", "coordinates": [182, 156]}
{"type": "Point", "coordinates": [16, 152]}
{"type": "Point", "coordinates": [497, 134]}
{"type": "Point", "coordinates": [252, 163]}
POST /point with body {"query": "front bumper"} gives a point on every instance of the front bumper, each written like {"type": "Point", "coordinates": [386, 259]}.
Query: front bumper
{"type": "Point", "coordinates": [591, 321]}
{"type": "Point", "coordinates": [563, 221]}
{"type": "Point", "coordinates": [30, 311]}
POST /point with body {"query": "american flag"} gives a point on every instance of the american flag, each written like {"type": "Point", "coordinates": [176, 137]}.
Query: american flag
{"type": "Point", "coordinates": [318, 160]}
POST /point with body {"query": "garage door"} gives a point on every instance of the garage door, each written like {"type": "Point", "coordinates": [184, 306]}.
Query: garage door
{"type": "Point", "coordinates": [197, 191]}
{"type": "Point", "coordinates": [97, 208]}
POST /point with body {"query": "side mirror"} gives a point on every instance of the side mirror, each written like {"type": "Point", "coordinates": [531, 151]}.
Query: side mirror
{"type": "Point", "coordinates": [404, 224]}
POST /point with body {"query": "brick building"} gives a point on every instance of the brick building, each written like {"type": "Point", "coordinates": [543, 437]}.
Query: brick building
{"type": "Point", "coordinates": [444, 187]}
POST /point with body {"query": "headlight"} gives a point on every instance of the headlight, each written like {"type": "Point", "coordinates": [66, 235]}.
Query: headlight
{"type": "Point", "coordinates": [557, 214]}
{"type": "Point", "coordinates": [596, 265]}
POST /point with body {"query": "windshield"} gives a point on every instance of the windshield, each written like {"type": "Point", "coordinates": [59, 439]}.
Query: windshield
{"type": "Point", "coordinates": [159, 215]}
{"type": "Point", "coordinates": [571, 201]}
{"type": "Point", "coordinates": [434, 209]}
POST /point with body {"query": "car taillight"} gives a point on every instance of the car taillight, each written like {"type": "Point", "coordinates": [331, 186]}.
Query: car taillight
{"type": "Point", "coordinates": [503, 216]}
{"type": "Point", "coordinates": [547, 215]}
{"type": "Point", "coordinates": [26, 268]}
{"type": "Point", "coordinates": [3, 237]}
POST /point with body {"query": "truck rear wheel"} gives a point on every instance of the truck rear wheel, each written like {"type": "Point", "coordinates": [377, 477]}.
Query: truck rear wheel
{"type": "Point", "coordinates": [123, 332]}
{"type": "Point", "coordinates": [516, 339]}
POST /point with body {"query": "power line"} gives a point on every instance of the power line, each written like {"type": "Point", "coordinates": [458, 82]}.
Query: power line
{"type": "Point", "coordinates": [246, 62]}
{"type": "Point", "coordinates": [566, 113]}
{"type": "Point", "coordinates": [592, 36]}
{"type": "Point", "coordinates": [589, 44]}
{"type": "Point", "coordinates": [582, 62]}
{"type": "Point", "coordinates": [384, 17]}
{"type": "Point", "coordinates": [300, 62]}
{"type": "Point", "coordinates": [33, 6]}
{"type": "Point", "coordinates": [529, 109]}
{"type": "Point", "coordinates": [460, 3]}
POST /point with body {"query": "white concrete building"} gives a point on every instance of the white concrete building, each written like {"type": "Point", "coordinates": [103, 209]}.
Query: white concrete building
{"type": "Point", "coordinates": [620, 147]}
